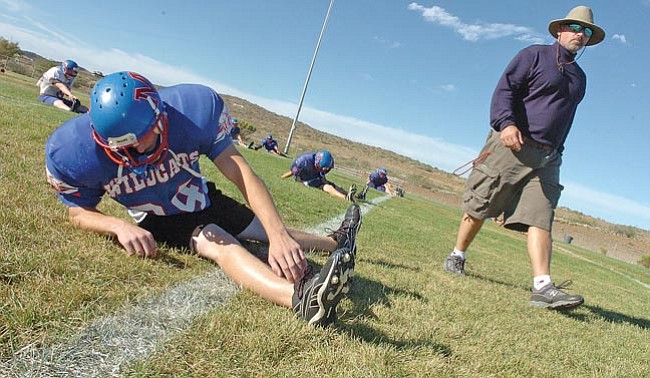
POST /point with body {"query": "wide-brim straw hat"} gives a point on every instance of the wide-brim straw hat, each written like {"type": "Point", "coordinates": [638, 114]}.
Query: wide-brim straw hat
{"type": "Point", "coordinates": [580, 15]}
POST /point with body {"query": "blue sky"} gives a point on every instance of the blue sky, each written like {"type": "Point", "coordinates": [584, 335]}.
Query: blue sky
{"type": "Point", "coordinates": [412, 77]}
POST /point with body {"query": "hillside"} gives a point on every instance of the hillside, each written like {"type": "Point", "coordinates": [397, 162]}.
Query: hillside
{"type": "Point", "coordinates": [622, 242]}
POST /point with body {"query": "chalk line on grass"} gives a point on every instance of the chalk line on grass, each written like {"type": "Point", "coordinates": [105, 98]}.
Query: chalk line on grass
{"type": "Point", "coordinates": [133, 334]}
{"type": "Point", "coordinates": [604, 267]}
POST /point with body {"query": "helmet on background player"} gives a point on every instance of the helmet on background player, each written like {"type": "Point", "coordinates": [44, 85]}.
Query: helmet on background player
{"type": "Point", "coordinates": [234, 121]}
{"type": "Point", "coordinates": [382, 171]}
{"type": "Point", "coordinates": [124, 108]}
{"type": "Point", "coordinates": [70, 68]}
{"type": "Point", "coordinates": [269, 137]}
{"type": "Point", "coordinates": [324, 161]}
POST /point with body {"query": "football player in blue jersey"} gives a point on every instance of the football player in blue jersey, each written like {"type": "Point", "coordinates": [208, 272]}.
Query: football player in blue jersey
{"type": "Point", "coordinates": [270, 145]}
{"type": "Point", "coordinates": [310, 168]}
{"type": "Point", "coordinates": [379, 180]}
{"type": "Point", "coordinates": [141, 147]}
{"type": "Point", "coordinates": [235, 133]}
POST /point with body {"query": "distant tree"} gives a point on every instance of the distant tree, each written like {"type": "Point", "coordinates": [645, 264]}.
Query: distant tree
{"type": "Point", "coordinates": [645, 261]}
{"type": "Point", "coordinates": [8, 48]}
{"type": "Point", "coordinates": [43, 65]}
{"type": "Point", "coordinates": [246, 126]}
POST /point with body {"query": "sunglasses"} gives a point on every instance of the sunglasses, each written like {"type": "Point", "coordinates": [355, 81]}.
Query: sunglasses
{"type": "Point", "coordinates": [577, 28]}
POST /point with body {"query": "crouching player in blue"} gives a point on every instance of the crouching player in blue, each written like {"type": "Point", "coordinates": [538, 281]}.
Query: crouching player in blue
{"type": "Point", "coordinates": [377, 180]}
{"type": "Point", "coordinates": [141, 147]}
{"type": "Point", "coordinates": [270, 145]}
{"type": "Point", "coordinates": [310, 168]}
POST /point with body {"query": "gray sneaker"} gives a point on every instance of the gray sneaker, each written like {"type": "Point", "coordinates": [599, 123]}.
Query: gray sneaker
{"type": "Point", "coordinates": [316, 296]}
{"type": "Point", "coordinates": [352, 193]}
{"type": "Point", "coordinates": [551, 296]}
{"type": "Point", "coordinates": [362, 195]}
{"type": "Point", "coordinates": [346, 234]}
{"type": "Point", "coordinates": [454, 264]}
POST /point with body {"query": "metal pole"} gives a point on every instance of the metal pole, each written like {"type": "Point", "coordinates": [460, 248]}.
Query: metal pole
{"type": "Point", "coordinates": [304, 89]}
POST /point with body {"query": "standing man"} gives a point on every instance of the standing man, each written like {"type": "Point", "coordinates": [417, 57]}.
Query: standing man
{"type": "Point", "coordinates": [270, 145]}
{"type": "Point", "coordinates": [141, 147]}
{"type": "Point", "coordinates": [310, 168]}
{"type": "Point", "coordinates": [532, 110]}
{"type": "Point", "coordinates": [56, 82]}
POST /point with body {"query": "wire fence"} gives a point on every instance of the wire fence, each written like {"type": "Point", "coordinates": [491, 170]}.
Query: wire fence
{"type": "Point", "coordinates": [20, 64]}
{"type": "Point", "coordinates": [396, 183]}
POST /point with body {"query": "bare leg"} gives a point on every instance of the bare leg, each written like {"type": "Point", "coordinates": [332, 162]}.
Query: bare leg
{"type": "Point", "coordinates": [243, 268]}
{"type": "Point", "coordinates": [310, 242]}
{"type": "Point", "coordinates": [539, 251]}
{"type": "Point", "coordinates": [61, 105]}
{"type": "Point", "coordinates": [307, 242]}
{"type": "Point", "coordinates": [467, 230]}
{"type": "Point", "coordinates": [333, 191]}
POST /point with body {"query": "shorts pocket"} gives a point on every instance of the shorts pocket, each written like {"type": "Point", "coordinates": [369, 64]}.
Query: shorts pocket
{"type": "Point", "coordinates": [483, 181]}
{"type": "Point", "coordinates": [552, 191]}
{"type": "Point", "coordinates": [481, 186]}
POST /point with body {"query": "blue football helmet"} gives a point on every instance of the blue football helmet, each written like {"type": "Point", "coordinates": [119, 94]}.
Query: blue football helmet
{"type": "Point", "coordinates": [234, 121]}
{"type": "Point", "coordinates": [124, 108]}
{"type": "Point", "coordinates": [269, 137]}
{"type": "Point", "coordinates": [382, 171]}
{"type": "Point", "coordinates": [324, 161]}
{"type": "Point", "coordinates": [70, 68]}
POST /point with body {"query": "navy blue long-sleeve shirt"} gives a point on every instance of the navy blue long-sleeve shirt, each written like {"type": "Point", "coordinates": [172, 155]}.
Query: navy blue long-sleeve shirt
{"type": "Point", "coordinates": [537, 96]}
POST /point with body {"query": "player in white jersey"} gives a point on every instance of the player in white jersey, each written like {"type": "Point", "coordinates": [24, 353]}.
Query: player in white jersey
{"type": "Point", "coordinates": [56, 82]}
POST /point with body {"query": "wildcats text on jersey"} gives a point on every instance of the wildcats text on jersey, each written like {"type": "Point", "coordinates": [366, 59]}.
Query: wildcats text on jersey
{"type": "Point", "coordinates": [157, 174]}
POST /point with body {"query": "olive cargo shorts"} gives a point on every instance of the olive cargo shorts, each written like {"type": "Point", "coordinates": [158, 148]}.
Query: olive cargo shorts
{"type": "Point", "coordinates": [524, 186]}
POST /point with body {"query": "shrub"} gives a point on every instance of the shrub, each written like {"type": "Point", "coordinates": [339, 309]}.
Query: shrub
{"type": "Point", "coordinates": [645, 261]}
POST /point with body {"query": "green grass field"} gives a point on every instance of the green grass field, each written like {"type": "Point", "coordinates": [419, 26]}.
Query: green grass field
{"type": "Point", "coordinates": [404, 316]}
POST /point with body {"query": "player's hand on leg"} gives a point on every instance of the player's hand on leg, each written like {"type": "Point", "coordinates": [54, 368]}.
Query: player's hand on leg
{"type": "Point", "coordinates": [286, 258]}
{"type": "Point", "coordinates": [136, 240]}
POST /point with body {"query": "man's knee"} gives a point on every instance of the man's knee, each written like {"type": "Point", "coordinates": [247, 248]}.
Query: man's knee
{"type": "Point", "coordinates": [211, 240]}
{"type": "Point", "coordinates": [61, 105]}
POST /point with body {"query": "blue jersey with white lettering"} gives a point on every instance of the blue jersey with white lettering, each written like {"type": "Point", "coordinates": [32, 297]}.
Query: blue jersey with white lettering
{"type": "Point", "coordinates": [270, 145]}
{"type": "Point", "coordinates": [304, 167]}
{"type": "Point", "coordinates": [82, 173]}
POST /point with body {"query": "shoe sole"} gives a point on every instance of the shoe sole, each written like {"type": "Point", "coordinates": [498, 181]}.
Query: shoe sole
{"type": "Point", "coordinates": [353, 247]}
{"type": "Point", "coordinates": [444, 267]}
{"type": "Point", "coordinates": [560, 305]}
{"type": "Point", "coordinates": [334, 286]}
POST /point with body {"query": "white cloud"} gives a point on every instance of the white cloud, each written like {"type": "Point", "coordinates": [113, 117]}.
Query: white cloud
{"type": "Point", "coordinates": [61, 37]}
{"type": "Point", "coordinates": [620, 37]}
{"type": "Point", "coordinates": [387, 43]}
{"type": "Point", "coordinates": [434, 151]}
{"type": "Point", "coordinates": [446, 87]}
{"type": "Point", "coordinates": [606, 206]}
{"type": "Point", "coordinates": [477, 31]}
{"type": "Point", "coordinates": [15, 5]}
